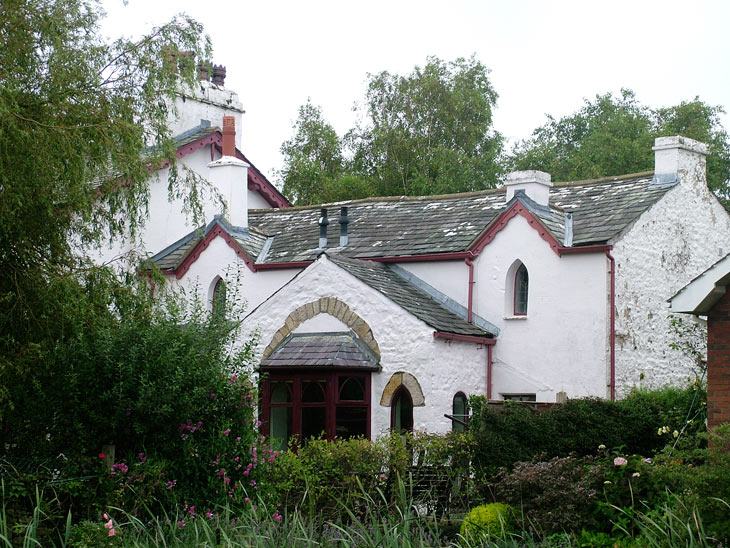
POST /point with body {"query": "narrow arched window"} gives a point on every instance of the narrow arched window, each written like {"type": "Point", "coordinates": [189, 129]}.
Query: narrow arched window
{"type": "Point", "coordinates": [219, 299]}
{"type": "Point", "coordinates": [521, 291]}
{"type": "Point", "coordinates": [459, 413]}
{"type": "Point", "coordinates": [401, 411]}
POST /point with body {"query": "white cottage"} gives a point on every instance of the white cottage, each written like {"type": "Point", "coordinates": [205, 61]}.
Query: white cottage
{"type": "Point", "coordinates": [386, 313]}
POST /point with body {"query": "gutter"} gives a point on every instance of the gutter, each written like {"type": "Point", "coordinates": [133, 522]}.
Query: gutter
{"type": "Point", "coordinates": [612, 336]}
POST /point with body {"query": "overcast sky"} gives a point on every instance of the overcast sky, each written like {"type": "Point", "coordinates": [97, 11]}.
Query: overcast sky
{"type": "Point", "coordinates": [545, 57]}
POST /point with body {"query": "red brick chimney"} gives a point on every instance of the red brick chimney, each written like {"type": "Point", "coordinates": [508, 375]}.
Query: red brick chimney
{"type": "Point", "coordinates": [229, 136]}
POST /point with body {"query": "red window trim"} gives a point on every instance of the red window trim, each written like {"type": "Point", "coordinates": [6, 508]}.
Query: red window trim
{"type": "Point", "coordinates": [332, 401]}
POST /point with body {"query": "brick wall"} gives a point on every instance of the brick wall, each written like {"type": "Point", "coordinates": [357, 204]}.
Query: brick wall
{"type": "Point", "coordinates": [718, 362]}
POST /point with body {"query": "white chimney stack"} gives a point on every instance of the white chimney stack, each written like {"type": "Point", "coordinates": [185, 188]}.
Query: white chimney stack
{"type": "Point", "coordinates": [536, 184]}
{"type": "Point", "coordinates": [230, 176]}
{"type": "Point", "coordinates": [680, 156]}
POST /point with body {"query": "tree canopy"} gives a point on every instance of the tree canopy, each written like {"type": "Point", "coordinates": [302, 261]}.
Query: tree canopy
{"type": "Point", "coordinates": [82, 122]}
{"type": "Point", "coordinates": [429, 132]}
{"type": "Point", "coordinates": [613, 135]}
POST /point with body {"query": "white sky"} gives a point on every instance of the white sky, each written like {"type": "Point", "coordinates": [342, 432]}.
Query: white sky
{"type": "Point", "coordinates": [545, 56]}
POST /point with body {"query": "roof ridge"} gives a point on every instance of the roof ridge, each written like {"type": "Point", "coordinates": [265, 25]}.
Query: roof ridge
{"type": "Point", "coordinates": [603, 180]}
{"type": "Point", "coordinates": [375, 199]}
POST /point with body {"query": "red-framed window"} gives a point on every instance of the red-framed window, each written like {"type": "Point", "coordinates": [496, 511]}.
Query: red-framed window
{"type": "Point", "coordinates": [301, 405]}
{"type": "Point", "coordinates": [522, 286]}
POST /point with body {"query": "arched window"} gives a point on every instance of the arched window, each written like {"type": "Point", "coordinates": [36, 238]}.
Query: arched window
{"type": "Point", "coordinates": [401, 411]}
{"type": "Point", "coordinates": [218, 303]}
{"type": "Point", "coordinates": [459, 412]}
{"type": "Point", "coordinates": [521, 291]}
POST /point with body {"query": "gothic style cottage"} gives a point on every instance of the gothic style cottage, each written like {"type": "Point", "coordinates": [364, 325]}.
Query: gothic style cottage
{"type": "Point", "coordinates": [386, 313]}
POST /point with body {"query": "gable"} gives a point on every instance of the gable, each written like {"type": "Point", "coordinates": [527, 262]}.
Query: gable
{"type": "Point", "coordinates": [204, 136]}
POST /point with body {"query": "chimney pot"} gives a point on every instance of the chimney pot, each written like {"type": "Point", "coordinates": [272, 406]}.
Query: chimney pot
{"type": "Point", "coordinates": [229, 136]}
{"type": "Point", "coordinates": [344, 221]}
{"type": "Point", "coordinates": [204, 72]}
{"type": "Point", "coordinates": [219, 75]}
{"type": "Point", "coordinates": [323, 222]}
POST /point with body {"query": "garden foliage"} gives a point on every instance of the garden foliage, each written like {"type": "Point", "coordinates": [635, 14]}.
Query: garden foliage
{"type": "Point", "coordinates": [516, 432]}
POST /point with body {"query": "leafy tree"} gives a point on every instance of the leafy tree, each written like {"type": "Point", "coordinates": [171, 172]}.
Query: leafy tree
{"type": "Point", "coordinates": [429, 132]}
{"type": "Point", "coordinates": [312, 158]}
{"type": "Point", "coordinates": [609, 136]}
{"type": "Point", "coordinates": [78, 117]}
{"type": "Point", "coordinates": [614, 135]}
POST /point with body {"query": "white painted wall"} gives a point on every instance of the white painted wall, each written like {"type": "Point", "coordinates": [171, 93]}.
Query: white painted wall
{"type": "Point", "coordinates": [169, 220]}
{"type": "Point", "coordinates": [322, 323]}
{"type": "Point", "coordinates": [219, 260]}
{"type": "Point", "coordinates": [674, 241]}
{"type": "Point", "coordinates": [206, 101]}
{"type": "Point", "coordinates": [406, 344]}
{"type": "Point", "coordinates": [449, 277]}
{"type": "Point", "coordinates": [562, 342]}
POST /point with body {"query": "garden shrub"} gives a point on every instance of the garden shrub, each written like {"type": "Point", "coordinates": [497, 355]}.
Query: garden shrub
{"type": "Point", "coordinates": [325, 476]}
{"type": "Point", "coordinates": [699, 478]}
{"type": "Point", "coordinates": [495, 520]}
{"type": "Point", "coordinates": [551, 496]}
{"type": "Point", "coordinates": [515, 432]}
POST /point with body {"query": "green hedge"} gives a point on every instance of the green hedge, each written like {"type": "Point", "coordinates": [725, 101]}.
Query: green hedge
{"type": "Point", "coordinates": [516, 432]}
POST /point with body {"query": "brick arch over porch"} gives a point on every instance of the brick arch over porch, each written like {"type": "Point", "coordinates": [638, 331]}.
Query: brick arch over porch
{"type": "Point", "coordinates": [401, 378]}
{"type": "Point", "coordinates": [325, 305]}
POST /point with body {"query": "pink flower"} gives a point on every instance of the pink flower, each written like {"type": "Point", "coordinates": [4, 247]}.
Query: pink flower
{"type": "Point", "coordinates": [102, 456]}
{"type": "Point", "coordinates": [209, 514]}
{"type": "Point", "coordinates": [620, 461]}
{"type": "Point", "coordinates": [648, 461]}
{"type": "Point", "coordinates": [120, 467]}
{"type": "Point", "coordinates": [181, 524]}
{"type": "Point", "coordinates": [142, 458]}
{"type": "Point", "coordinates": [170, 484]}
{"type": "Point", "coordinates": [226, 431]}
{"type": "Point", "coordinates": [246, 499]}
{"type": "Point", "coordinates": [112, 532]}
{"type": "Point", "coordinates": [635, 475]}
{"type": "Point", "coordinates": [109, 524]}
{"type": "Point", "coordinates": [106, 516]}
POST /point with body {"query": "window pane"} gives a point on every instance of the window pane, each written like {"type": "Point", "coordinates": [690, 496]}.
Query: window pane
{"type": "Point", "coordinates": [314, 422]}
{"type": "Point", "coordinates": [519, 397]}
{"type": "Point", "coordinates": [313, 391]}
{"type": "Point", "coordinates": [459, 412]}
{"type": "Point", "coordinates": [521, 290]}
{"type": "Point", "coordinates": [352, 388]}
{"type": "Point", "coordinates": [351, 422]}
{"type": "Point", "coordinates": [281, 392]}
{"type": "Point", "coordinates": [280, 426]}
{"type": "Point", "coordinates": [403, 413]}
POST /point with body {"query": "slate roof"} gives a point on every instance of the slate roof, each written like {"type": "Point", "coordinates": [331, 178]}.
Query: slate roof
{"type": "Point", "coordinates": [322, 350]}
{"type": "Point", "coordinates": [401, 226]}
{"type": "Point", "coordinates": [249, 240]}
{"type": "Point", "coordinates": [384, 280]}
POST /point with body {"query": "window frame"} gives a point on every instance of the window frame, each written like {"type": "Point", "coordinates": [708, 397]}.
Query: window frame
{"type": "Point", "coordinates": [331, 403]}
